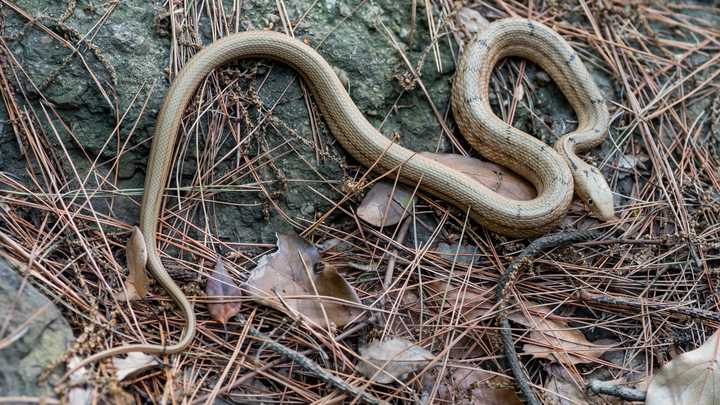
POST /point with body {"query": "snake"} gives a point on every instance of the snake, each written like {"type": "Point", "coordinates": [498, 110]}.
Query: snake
{"type": "Point", "coordinates": [556, 173]}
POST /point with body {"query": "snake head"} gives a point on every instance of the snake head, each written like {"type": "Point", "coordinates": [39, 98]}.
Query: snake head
{"type": "Point", "coordinates": [591, 187]}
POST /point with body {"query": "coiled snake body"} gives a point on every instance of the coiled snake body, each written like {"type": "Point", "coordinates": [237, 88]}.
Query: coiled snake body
{"type": "Point", "coordinates": [550, 171]}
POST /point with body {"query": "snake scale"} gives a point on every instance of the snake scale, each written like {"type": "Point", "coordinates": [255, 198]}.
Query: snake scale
{"type": "Point", "coordinates": [555, 173]}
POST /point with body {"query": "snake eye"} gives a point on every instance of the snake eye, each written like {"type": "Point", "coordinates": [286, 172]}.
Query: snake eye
{"type": "Point", "coordinates": [590, 201]}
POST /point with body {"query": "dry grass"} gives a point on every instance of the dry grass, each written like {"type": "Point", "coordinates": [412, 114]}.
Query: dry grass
{"type": "Point", "coordinates": [60, 228]}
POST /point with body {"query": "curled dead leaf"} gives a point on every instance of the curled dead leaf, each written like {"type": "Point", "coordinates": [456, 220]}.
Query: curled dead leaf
{"type": "Point", "coordinates": [460, 255]}
{"type": "Point", "coordinates": [630, 162]}
{"type": "Point", "coordinates": [330, 283]}
{"type": "Point", "coordinates": [554, 339]}
{"type": "Point", "coordinates": [495, 177]}
{"type": "Point", "coordinates": [221, 285]}
{"type": "Point", "coordinates": [473, 302]}
{"type": "Point", "coordinates": [474, 386]}
{"type": "Point", "coordinates": [385, 204]}
{"type": "Point", "coordinates": [690, 378]}
{"type": "Point", "coordinates": [286, 280]}
{"type": "Point", "coordinates": [136, 256]}
{"type": "Point", "coordinates": [135, 362]}
{"type": "Point", "coordinates": [562, 390]}
{"type": "Point", "coordinates": [386, 361]}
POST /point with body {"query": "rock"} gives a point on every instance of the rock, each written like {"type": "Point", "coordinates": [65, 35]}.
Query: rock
{"type": "Point", "coordinates": [134, 47]}
{"type": "Point", "coordinates": [9, 146]}
{"type": "Point", "coordinates": [33, 346]}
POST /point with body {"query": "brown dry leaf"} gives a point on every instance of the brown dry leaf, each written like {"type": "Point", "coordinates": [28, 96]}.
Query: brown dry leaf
{"type": "Point", "coordinates": [476, 303]}
{"type": "Point", "coordinates": [566, 392]}
{"type": "Point", "coordinates": [286, 273]}
{"type": "Point", "coordinates": [386, 361]}
{"type": "Point", "coordinates": [135, 362]}
{"type": "Point", "coordinates": [554, 339]}
{"type": "Point", "coordinates": [478, 387]}
{"type": "Point", "coordinates": [690, 378]}
{"type": "Point", "coordinates": [385, 204]}
{"type": "Point", "coordinates": [136, 256]}
{"type": "Point", "coordinates": [220, 284]}
{"type": "Point", "coordinates": [630, 162]}
{"type": "Point", "coordinates": [495, 177]}
{"type": "Point", "coordinates": [330, 283]}
{"type": "Point", "coordinates": [562, 389]}
{"type": "Point", "coordinates": [461, 255]}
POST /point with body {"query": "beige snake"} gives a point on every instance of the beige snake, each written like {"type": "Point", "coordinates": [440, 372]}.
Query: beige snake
{"type": "Point", "coordinates": [549, 171]}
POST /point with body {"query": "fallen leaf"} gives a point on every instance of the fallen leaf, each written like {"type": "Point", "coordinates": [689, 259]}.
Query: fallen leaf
{"type": "Point", "coordinates": [561, 390]}
{"type": "Point", "coordinates": [286, 279]}
{"type": "Point", "coordinates": [136, 256]}
{"type": "Point", "coordinates": [220, 285]}
{"type": "Point", "coordinates": [690, 378]}
{"type": "Point", "coordinates": [129, 294]}
{"type": "Point", "coordinates": [557, 341]}
{"type": "Point", "coordinates": [630, 162]}
{"type": "Point", "coordinates": [554, 339]}
{"type": "Point", "coordinates": [464, 255]}
{"type": "Point", "coordinates": [475, 386]}
{"type": "Point", "coordinates": [410, 300]}
{"type": "Point", "coordinates": [78, 394]}
{"type": "Point", "coordinates": [625, 368]}
{"type": "Point", "coordinates": [495, 177]}
{"type": "Point", "coordinates": [386, 361]}
{"type": "Point", "coordinates": [330, 283]}
{"type": "Point", "coordinates": [468, 304]}
{"type": "Point", "coordinates": [333, 244]}
{"type": "Point", "coordinates": [135, 362]}
{"type": "Point", "coordinates": [385, 204]}
{"type": "Point", "coordinates": [473, 302]}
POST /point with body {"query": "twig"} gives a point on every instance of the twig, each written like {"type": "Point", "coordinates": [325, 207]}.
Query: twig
{"type": "Point", "coordinates": [630, 302]}
{"type": "Point", "coordinates": [315, 368]}
{"type": "Point", "coordinates": [616, 390]}
{"type": "Point", "coordinates": [29, 400]}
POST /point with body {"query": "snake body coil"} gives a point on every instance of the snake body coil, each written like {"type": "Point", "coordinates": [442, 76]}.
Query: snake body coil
{"type": "Point", "coordinates": [548, 170]}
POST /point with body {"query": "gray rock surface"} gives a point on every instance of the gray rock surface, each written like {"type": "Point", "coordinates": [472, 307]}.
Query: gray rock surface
{"type": "Point", "coordinates": [33, 335]}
